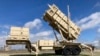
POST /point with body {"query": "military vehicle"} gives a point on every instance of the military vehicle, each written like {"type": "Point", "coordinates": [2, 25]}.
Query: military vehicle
{"type": "Point", "coordinates": [60, 23]}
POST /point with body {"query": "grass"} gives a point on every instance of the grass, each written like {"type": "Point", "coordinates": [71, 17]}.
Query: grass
{"type": "Point", "coordinates": [52, 54]}
{"type": "Point", "coordinates": [44, 54]}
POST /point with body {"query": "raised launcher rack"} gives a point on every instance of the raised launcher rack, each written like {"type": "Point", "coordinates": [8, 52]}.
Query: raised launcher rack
{"type": "Point", "coordinates": [58, 21]}
{"type": "Point", "coordinates": [18, 35]}
{"type": "Point", "coordinates": [66, 28]}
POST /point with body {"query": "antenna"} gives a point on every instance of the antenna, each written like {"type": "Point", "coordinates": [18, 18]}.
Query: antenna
{"type": "Point", "coordinates": [68, 12]}
{"type": "Point", "coordinates": [49, 5]}
{"type": "Point", "coordinates": [68, 21]}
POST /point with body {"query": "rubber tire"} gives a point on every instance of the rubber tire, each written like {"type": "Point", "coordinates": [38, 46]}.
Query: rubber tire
{"type": "Point", "coordinates": [76, 50]}
{"type": "Point", "coordinates": [58, 52]}
{"type": "Point", "coordinates": [67, 51]}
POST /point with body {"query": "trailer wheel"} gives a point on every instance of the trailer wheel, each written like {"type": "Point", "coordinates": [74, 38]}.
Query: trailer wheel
{"type": "Point", "coordinates": [76, 50]}
{"type": "Point", "coordinates": [67, 51]}
{"type": "Point", "coordinates": [58, 52]}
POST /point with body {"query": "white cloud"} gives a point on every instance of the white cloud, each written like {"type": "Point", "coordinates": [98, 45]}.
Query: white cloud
{"type": "Point", "coordinates": [97, 4]}
{"type": "Point", "coordinates": [5, 26]}
{"type": "Point", "coordinates": [2, 40]}
{"type": "Point", "coordinates": [36, 23]}
{"type": "Point", "coordinates": [44, 35]}
{"type": "Point", "coordinates": [3, 34]}
{"type": "Point", "coordinates": [96, 43]}
{"type": "Point", "coordinates": [90, 21]}
{"type": "Point", "coordinates": [98, 30]}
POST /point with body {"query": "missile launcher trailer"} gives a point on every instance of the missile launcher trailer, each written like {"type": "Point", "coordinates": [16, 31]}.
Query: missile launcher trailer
{"type": "Point", "coordinates": [67, 29]}
{"type": "Point", "coordinates": [19, 35]}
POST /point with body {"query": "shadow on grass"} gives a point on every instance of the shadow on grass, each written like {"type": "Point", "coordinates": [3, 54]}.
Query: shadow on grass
{"type": "Point", "coordinates": [46, 54]}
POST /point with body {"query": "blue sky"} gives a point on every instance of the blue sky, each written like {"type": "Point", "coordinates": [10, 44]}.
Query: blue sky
{"type": "Point", "coordinates": [29, 13]}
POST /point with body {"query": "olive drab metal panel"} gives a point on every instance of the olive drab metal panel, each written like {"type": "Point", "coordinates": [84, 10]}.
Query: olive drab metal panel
{"type": "Point", "coordinates": [18, 33]}
{"type": "Point", "coordinates": [58, 20]}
